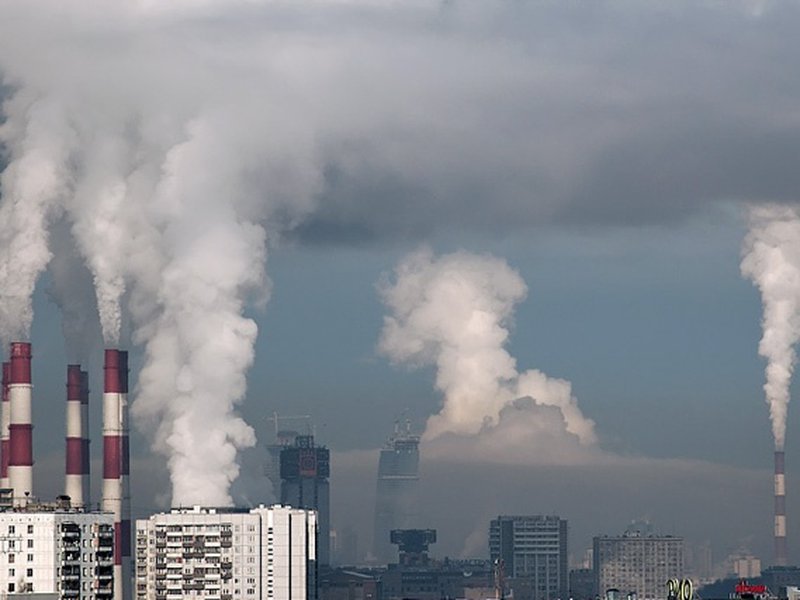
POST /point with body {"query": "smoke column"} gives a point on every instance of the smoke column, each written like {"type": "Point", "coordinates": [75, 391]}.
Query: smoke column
{"type": "Point", "coordinates": [171, 184]}
{"type": "Point", "coordinates": [454, 312]}
{"type": "Point", "coordinates": [771, 259]}
{"type": "Point", "coordinates": [33, 184]}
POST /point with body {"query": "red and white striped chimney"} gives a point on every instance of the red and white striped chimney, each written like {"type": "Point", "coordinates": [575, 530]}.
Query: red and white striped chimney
{"type": "Point", "coordinates": [76, 484]}
{"type": "Point", "coordinates": [780, 510]}
{"type": "Point", "coordinates": [20, 462]}
{"type": "Point", "coordinates": [5, 419]}
{"type": "Point", "coordinates": [125, 471]}
{"type": "Point", "coordinates": [86, 456]}
{"type": "Point", "coordinates": [115, 463]}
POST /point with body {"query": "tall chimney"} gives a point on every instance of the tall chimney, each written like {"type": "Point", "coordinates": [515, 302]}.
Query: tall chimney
{"type": "Point", "coordinates": [76, 484]}
{"type": "Point", "coordinates": [20, 462]}
{"type": "Point", "coordinates": [85, 454]}
{"type": "Point", "coordinates": [5, 419]}
{"type": "Point", "coordinates": [780, 510]}
{"type": "Point", "coordinates": [114, 442]}
{"type": "Point", "coordinates": [125, 471]}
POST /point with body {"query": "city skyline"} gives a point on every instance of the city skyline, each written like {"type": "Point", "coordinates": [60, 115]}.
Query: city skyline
{"type": "Point", "coordinates": [230, 203]}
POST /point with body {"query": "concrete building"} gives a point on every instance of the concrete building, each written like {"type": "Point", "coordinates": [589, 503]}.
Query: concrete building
{"type": "Point", "coordinates": [396, 491]}
{"type": "Point", "coordinates": [534, 552]}
{"type": "Point", "coordinates": [637, 562]}
{"type": "Point", "coordinates": [581, 584]}
{"type": "Point", "coordinates": [227, 554]}
{"type": "Point", "coordinates": [305, 469]}
{"type": "Point", "coordinates": [53, 549]}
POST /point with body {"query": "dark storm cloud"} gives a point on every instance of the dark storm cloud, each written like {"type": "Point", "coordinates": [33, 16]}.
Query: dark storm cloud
{"type": "Point", "coordinates": [511, 116]}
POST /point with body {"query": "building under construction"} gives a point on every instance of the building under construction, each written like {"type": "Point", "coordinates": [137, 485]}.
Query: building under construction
{"type": "Point", "coordinates": [396, 497]}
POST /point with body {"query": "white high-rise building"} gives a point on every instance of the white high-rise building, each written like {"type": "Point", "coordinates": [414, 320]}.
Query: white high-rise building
{"type": "Point", "coordinates": [227, 554]}
{"type": "Point", "coordinates": [52, 550]}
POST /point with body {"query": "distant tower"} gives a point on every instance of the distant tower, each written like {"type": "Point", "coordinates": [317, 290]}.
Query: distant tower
{"type": "Point", "coordinates": [396, 494]}
{"type": "Point", "coordinates": [305, 469]}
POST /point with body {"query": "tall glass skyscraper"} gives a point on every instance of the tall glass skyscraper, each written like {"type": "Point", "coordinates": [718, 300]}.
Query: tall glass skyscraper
{"type": "Point", "coordinates": [396, 501]}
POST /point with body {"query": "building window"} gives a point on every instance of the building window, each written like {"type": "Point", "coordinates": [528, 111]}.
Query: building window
{"type": "Point", "coordinates": [29, 572]}
{"type": "Point", "coordinates": [30, 528]}
{"type": "Point", "coordinates": [10, 587]}
{"type": "Point", "coordinates": [30, 557]}
{"type": "Point", "coordinates": [11, 529]}
{"type": "Point", "coordinates": [11, 558]}
{"type": "Point", "coordinates": [30, 543]}
{"type": "Point", "coordinates": [11, 572]}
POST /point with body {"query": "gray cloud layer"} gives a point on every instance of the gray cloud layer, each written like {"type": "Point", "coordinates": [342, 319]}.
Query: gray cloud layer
{"type": "Point", "coordinates": [452, 115]}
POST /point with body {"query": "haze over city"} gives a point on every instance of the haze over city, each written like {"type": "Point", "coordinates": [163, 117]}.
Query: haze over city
{"type": "Point", "coordinates": [547, 234]}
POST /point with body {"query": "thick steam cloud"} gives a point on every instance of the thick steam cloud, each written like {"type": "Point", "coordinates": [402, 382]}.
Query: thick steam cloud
{"type": "Point", "coordinates": [170, 175]}
{"type": "Point", "coordinates": [771, 259]}
{"type": "Point", "coordinates": [453, 312]}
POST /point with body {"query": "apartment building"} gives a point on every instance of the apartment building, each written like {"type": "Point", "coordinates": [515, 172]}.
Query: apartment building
{"type": "Point", "coordinates": [227, 554]}
{"type": "Point", "coordinates": [51, 550]}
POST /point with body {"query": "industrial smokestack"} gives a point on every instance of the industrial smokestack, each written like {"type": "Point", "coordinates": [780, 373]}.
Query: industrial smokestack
{"type": "Point", "coordinates": [20, 462]}
{"type": "Point", "coordinates": [125, 470]}
{"type": "Point", "coordinates": [76, 484]}
{"type": "Point", "coordinates": [780, 510]}
{"type": "Point", "coordinates": [86, 456]}
{"type": "Point", "coordinates": [5, 419]}
{"type": "Point", "coordinates": [115, 462]}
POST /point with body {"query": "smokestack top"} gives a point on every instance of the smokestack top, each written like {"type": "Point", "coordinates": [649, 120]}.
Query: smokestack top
{"type": "Point", "coordinates": [780, 457]}
{"type": "Point", "coordinates": [74, 383]}
{"type": "Point", "coordinates": [20, 363]}
{"type": "Point", "coordinates": [113, 384]}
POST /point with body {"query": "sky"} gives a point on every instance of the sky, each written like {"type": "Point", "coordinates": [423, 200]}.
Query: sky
{"type": "Point", "coordinates": [607, 152]}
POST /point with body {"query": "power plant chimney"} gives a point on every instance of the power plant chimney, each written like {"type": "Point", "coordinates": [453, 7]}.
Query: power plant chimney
{"type": "Point", "coordinates": [20, 462]}
{"type": "Point", "coordinates": [76, 484]}
{"type": "Point", "coordinates": [780, 510]}
{"type": "Point", "coordinates": [115, 463]}
{"type": "Point", "coordinates": [5, 419]}
{"type": "Point", "coordinates": [125, 472]}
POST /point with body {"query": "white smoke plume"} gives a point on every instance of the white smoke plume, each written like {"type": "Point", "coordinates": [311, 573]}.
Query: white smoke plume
{"type": "Point", "coordinates": [771, 259]}
{"type": "Point", "coordinates": [32, 187]}
{"type": "Point", "coordinates": [454, 312]}
{"type": "Point", "coordinates": [175, 161]}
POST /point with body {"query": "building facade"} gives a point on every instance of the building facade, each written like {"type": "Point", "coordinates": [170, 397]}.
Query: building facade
{"type": "Point", "coordinates": [637, 562]}
{"type": "Point", "coordinates": [396, 491]}
{"type": "Point", "coordinates": [227, 554]}
{"type": "Point", "coordinates": [534, 554]}
{"type": "Point", "coordinates": [52, 550]}
{"type": "Point", "coordinates": [305, 469]}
